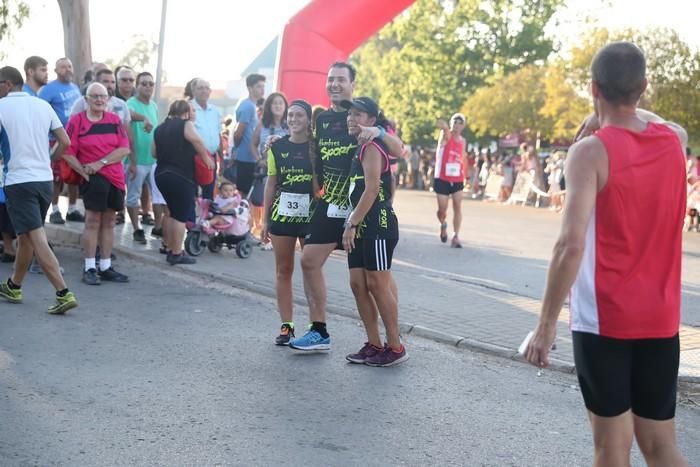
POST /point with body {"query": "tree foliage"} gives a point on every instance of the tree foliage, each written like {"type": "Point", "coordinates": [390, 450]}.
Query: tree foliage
{"type": "Point", "coordinates": [431, 58]}
{"type": "Point", "coordinates": [558, 93]}
{"type": "Point", "coordinates": [673, 72]}
{"type": "Point", "coordinates": [139, 56]}
{"type": "Point", "coordinates": [12, 16]}
{"type": "Point", "coordinates": [513, 102]}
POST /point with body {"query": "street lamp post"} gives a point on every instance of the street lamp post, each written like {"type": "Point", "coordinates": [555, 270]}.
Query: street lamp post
{"type": "Point", "coordinates": [161, 40]}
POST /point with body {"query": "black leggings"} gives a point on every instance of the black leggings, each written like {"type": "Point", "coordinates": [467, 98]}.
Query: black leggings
{"type": "Point", "coordinates": [179, 193]}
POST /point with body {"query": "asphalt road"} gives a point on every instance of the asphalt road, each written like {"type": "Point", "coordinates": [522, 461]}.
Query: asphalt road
{"type": "Point", "coordinates": [506, 247]}
{"type": "Point", "coordinates": [173, 371]}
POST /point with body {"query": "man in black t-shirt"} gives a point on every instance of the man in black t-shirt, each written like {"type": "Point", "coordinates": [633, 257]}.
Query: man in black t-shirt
{"type": "Point", "coordinates": [335, 150]}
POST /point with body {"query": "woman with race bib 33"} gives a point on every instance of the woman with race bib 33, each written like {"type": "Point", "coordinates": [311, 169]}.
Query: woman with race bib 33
{"type": "Point", "coordinates": [289, 204]}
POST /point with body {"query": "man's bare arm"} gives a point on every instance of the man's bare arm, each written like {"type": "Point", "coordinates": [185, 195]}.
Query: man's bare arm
{"type": "Point", "coordinates": [581, 191]}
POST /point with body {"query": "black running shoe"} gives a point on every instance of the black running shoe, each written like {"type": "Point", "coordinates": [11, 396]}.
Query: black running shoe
{"type": "Point", "coordinates": [140, 236]}
{"type": "Point", "coordinates": [75, 216]}
{"type": "Point", "coordinates": [180, 259]}
{"type": "Point", "coordinates": [286, 334]}
{"type": "Point", "coordinates": [90, 277]}
{"type": "Point", "coordinates": [113, 276]}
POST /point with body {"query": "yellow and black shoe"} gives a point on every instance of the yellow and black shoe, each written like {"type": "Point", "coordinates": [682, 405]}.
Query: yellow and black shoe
{"type": "Point", "coordinates": [63, 304]}
{"type": "Point", "coordinates": [10, 294]}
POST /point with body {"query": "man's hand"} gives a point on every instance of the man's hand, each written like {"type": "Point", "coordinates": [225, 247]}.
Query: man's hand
{"type": "Point", "coordinates": [367, 134]}
{"type": "Point", "coordinates": [589, 126]}
{"type": "Point", "coordinates": [93, 167]}
{"type": "Point", "coordinates": [540, 345]}
{"type": "Point", "coordinates": [265, 233]}
{"type": "Point", "coordinates": [132, 170]}
{"type": "Point", "coordinates": [147, 125]}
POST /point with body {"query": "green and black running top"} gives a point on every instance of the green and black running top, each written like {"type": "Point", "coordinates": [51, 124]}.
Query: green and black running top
{"type": "Point", "coordinates": [380, 222]}
{"type": "Point", "coordinates": [335, 149]}
{"type": "Point", "coordinates": [290, 163]}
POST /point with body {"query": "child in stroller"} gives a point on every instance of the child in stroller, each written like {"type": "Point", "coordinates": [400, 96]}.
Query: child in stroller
{"type": "Point", "coordinates": [225, 222]}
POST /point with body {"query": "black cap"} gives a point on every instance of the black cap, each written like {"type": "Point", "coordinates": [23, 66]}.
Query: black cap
{"type": "Point", "coordinates": [363, 104]}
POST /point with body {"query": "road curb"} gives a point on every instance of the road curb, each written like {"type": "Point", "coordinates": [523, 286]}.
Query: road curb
{"type": "Point", "coordinates": [65, 236]}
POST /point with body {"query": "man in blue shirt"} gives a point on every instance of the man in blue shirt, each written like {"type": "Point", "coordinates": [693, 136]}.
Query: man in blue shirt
{"type": "Point", "coordinates": [246, 121]}
{"type": "Point", "coordinates": [61, 94]}
{"type": "Point", "coordinates": [208, 125]}
{"type": "Point", "coordinates": [37, 75]}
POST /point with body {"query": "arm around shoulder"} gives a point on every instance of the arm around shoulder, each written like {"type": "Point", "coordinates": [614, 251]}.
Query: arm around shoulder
{"type": "Point", "coordinates": [648, 116]}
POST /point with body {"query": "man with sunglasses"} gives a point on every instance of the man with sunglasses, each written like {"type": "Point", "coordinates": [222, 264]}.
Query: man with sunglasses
{"type": "Point", "coordinates": [141, 164]}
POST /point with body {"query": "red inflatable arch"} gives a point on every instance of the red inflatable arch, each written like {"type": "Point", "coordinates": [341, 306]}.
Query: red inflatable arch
{"type": "Point", "coordinates": [321, 33]}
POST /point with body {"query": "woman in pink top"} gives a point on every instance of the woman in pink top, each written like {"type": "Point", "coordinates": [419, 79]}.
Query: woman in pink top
{"type": "Point", "coordinates": [98, 146]}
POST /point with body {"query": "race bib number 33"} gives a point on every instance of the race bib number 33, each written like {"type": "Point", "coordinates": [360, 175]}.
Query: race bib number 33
{"type": "Point", "coordinates": [294, 204]}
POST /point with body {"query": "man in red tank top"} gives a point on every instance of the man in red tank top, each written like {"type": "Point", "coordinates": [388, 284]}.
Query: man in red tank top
{"type": "Point", "coordinates": [622, 277]}
{"type": "Point", "coordinates": [449, 175]}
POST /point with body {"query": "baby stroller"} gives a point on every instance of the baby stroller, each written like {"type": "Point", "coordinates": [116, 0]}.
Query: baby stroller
{"type": "Point", "coordinates": [215, 237]}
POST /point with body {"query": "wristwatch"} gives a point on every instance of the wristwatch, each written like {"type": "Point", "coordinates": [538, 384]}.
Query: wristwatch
{"type": "Point", "coordinates": [350, 225]}
{"type": "Point", "coordinates": [104, 161]}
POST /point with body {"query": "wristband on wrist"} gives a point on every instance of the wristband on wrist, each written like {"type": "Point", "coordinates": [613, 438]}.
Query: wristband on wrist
{"type": "Point", "coordinates": [382, 132]}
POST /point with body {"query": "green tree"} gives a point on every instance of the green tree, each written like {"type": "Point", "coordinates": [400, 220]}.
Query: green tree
{"type": "Point", "coordinates": [565, 105]}
{"type": "Point", "coordinates": [673, 72]}
{"type": "Point", "coordinates": [511, 103]}
{"type": "Point", "coordinates": [139, 56]}
{"type": "Point", "coordinates": [431, 58]}
{"type": "Point", "coordinates": [12, 16]}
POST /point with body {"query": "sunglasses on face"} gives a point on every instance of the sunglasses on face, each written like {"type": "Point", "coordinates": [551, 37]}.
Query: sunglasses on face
{"type": "Point", "coordinates": [148, 84]}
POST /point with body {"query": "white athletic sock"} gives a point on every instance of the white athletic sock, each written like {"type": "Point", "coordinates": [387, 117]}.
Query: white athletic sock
{"type": "Point", "coordinates": [54, 208]}
{"type": "Point", "coordinates": [105, 264]}
{"type": "Point", "coordinates": [72, 207]}
{"type": "Point", "coordinates": [90, 263]}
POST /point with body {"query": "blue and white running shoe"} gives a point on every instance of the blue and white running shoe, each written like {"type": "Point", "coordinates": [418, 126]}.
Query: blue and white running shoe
{"type": "Point", "coordinates": [312, 340]}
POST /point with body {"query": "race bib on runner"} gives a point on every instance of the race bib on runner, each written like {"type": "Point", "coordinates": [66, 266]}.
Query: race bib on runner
{"type": "Point", "coordinates": [294, 204]}
{"type": "Point", "coordinates": [452, 169]}
{"type": "Point", "coordinates": [338, 212]}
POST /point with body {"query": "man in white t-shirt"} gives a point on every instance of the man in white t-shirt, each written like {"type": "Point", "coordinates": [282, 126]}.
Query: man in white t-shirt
{"type": "Point", "coordinates": [25, 123]}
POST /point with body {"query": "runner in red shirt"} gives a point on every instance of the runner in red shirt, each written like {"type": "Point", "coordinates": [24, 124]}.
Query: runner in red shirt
{"type": "Point", "coordinates": [449, 175]}
{"type": "Point", "coordinates": [623, 275]}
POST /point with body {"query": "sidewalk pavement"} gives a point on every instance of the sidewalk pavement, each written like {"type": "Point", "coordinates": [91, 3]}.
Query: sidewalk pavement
{"type": "Point", "coordinates": [433, 304]}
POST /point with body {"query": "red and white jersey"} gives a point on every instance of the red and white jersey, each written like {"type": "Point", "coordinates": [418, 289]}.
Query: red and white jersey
{"type": "Point", "coordinates": [449, 161]}
{"type": "Point", "coordinates": [629, 283]}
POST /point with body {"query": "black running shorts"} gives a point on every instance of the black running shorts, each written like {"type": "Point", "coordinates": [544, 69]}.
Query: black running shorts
{"type": "Point", "coordinates": [441, 187]}
{"type": "Point", "coordinates": [27, 204]}
{"type": "Point", "coordinates": [617, 375]}
{"type": "Point", "coordinates": [289, 229]}
{"type": "Point", "coordinates": [372, 255]}
{"type": "Point", "coordinates": [323, 229]}
{"type": "Point", "coordinates": [100, 195]}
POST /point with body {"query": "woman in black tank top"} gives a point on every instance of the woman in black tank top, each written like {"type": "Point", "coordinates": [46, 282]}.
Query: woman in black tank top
{"type": "Point", "coordinates": [175, 145]}
{"type": "Point", "coordinates": [370, 236]}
